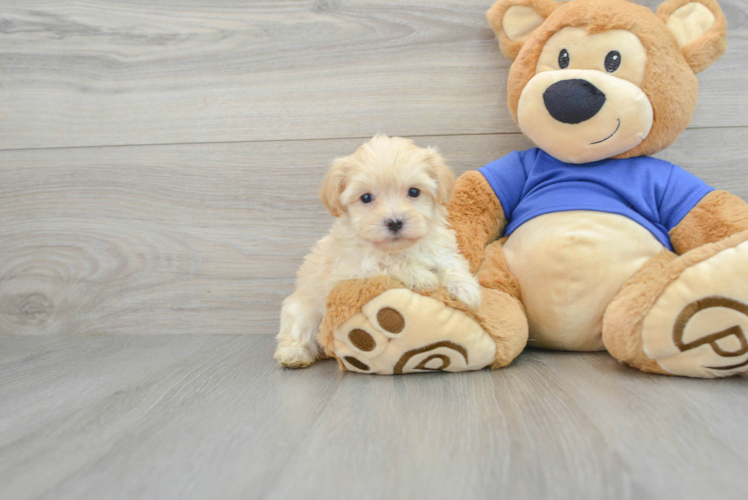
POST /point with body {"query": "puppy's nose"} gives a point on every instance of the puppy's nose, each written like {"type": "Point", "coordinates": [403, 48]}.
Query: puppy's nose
{"type": "Point", "coordinates": [394, 225]}
{"type": "Point", "coordinates": [573, 101]}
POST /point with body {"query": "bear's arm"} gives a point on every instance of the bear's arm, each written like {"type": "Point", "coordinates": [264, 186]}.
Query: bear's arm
{"type": "Point", "coordinates": [718, 215]}
{"type": "Point", "coordinates": [476, 216]}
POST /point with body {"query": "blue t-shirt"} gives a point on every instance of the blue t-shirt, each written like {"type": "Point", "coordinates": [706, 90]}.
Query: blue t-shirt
{"type": "Point", "coordinates": [652, 192]}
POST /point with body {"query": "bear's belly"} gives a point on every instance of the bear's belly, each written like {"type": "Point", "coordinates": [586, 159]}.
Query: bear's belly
{"type": "Point", "coordinates": [570, 266]}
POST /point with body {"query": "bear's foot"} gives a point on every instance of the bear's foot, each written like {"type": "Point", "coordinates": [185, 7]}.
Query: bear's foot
{"type": "Point", "coordinates": [698, 326]}
{"type": "Point", "coordinates": [693, 316]}
{"type": "Point", "coordinates": [403, 332]}
{"type": "Point", "coordinates": [394, 330]}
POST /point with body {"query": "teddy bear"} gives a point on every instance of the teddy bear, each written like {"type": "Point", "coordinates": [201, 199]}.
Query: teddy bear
{"type": "Point", "coordinates": [585, 242]}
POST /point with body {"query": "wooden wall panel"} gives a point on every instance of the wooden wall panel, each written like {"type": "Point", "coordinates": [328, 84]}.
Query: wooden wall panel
{"type": "Point", "coordinates": [201, 238]}
{"type": "Point", "coordinates": [112, 72]}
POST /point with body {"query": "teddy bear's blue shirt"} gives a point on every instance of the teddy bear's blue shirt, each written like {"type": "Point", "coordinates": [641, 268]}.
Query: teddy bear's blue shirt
{"type": "Point", "coordinates": [652, 192]}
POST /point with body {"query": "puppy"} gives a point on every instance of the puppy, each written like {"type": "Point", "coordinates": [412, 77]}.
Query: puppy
{"type": "Point", "coordinates": [389, 198]}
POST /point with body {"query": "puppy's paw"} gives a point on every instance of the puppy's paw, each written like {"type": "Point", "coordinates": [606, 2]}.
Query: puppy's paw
{"type": "Point", "coordinates": [422, 279]}
{"type": "Point", "coordinates": [467, 292]}
{"type": "Point", "coordinates": [294, 356]}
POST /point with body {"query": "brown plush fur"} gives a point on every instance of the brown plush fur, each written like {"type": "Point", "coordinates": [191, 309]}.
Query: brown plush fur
{"type": "Point", "coordinates": [503, 317]}
{"type": "Point", "coordinates": [624, 317]}
{"type": "Point", "coordinates": [494, 272]}
{"type": "Point", "coordinates": [476, 216]}
{"type": "Point", "coordinates": [717, 216]}
{"type": "Point", "coordinates": [500, 315]}
{"type": "Point", "coordinates": [669, 83]}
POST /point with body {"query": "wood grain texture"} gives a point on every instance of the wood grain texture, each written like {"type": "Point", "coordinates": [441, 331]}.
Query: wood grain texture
{"type": "Point", "coordinates": [201, 238]}
{"type": "Point", "coordinates": [213, 417]}
{"type": "Point", "coordinates": [86, 73]}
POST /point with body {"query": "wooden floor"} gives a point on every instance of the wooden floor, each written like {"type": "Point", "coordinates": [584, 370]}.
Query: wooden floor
{"type": "Point", "coordinates": [194, 417]}
{"type": "Point", "coordinates": [159, 165]}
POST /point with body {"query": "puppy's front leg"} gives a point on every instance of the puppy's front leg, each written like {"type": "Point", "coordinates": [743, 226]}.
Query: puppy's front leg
{"type": "Point", "coordinates": [459, 283]}
{"type": "Point", "coordinates": [417, 278]}
{"type": "Point", "coordinates": [297, 340]}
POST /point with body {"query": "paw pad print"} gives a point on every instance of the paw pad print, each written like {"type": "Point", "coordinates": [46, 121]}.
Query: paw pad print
{"type": "Point", "coordinates": [391, 321]}
{"type": "Point", "coordinates": [362, 340]}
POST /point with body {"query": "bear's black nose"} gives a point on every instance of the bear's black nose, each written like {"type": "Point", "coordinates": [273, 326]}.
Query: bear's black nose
{"type": "Point", "coordinates": [573, 101]}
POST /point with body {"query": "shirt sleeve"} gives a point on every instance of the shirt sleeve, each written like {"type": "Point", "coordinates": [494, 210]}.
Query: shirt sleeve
{"type": "Point", "coordinates": [507, 177]}
{"type": "Point", "coordinates": [682, 192]}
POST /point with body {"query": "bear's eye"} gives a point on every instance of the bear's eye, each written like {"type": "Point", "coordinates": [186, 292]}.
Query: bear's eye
{"type": "Point", "coordinates": [367, 198]}
{"type": "Point", "coordinates": [612, 61]}
{"type": "Point", "coordinates": [563, 59]}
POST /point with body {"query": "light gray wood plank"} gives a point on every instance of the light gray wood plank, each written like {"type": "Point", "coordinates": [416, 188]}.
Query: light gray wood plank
{"type": "Point", "coordinates": [221, 420]}
{"type": "Point", "coordinates": [95, 367]}
{"type": "Point", "coordinates": [201, 238]}
{"type": "Point", "coordinates": [554, 425]}
{"type": "Point", "coordinates": [209, 420]}
{"type": "Point", "coordinates": [84, 72]}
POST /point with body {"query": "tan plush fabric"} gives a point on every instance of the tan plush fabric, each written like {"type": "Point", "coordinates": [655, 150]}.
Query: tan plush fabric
{"type": "Point", "coordinates": [427, 335]}
{"type": "Point", "coordinates": [495, 16]}
{"type": "Point", "coordinates": [569, 266]}
{"type": "Point", "coordinates": [520, 21]}
{"type": "Point", "coordinates": [624, 318]}
{"type": "Point", "coordinates": [697, 327]}
{"type": "Point", "coordinates": [702, 52]}
{"type": "Point", "coordinates": [476, 216]}
{"type": "Point", "coordinates": [717, 216]}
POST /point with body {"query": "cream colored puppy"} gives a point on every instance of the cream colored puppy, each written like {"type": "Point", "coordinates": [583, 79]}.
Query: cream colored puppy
{"type": "Point", "coordinates": [389, 199]}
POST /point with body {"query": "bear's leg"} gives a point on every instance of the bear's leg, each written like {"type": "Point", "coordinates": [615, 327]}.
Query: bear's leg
{"type": "Point", "coordinates": [379, 326]}
{"type": "Point", "coordinates": [685, 315]}
{"type": "Point", "coordinates": [501, 312]}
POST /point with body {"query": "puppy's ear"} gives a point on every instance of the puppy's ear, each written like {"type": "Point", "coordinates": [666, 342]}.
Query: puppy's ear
{"type": "Point", "coordinates": [445, 178]}
{"type": "Point", "coordinates": [699, 27]}
{"type": "Point", "coordinates": [513, 21]}
{"type": "Point", "coordinates": [332, 187]}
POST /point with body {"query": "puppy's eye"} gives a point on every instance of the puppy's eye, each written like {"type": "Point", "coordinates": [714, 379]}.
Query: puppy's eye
{"type": "Point", "coordinates": [414, 192]}
{"type": "Point", "coordinates": [612, 61]}
{"type": "Point", "coordinates": [367, 198]}
{"type": "Point", "coordinates": [563, 59]}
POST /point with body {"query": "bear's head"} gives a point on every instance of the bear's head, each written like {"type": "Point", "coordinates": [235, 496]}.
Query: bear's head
{"type": "Point", "coordinates": [597, 79]}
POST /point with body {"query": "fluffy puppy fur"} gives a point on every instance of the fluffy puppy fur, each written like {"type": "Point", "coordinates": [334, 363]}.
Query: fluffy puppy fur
{"type": "Point", "coordinates": [389, 198]}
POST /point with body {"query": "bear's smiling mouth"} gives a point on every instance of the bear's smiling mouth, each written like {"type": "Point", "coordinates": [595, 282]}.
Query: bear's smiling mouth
{"type": "Point", "coordinates": [611, 135]}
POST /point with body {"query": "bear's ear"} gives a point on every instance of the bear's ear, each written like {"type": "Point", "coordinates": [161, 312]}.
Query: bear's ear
{"type": "Point", "coordinates": [699, 27]}
{"type": "Point", "coordinates": [513, 21]}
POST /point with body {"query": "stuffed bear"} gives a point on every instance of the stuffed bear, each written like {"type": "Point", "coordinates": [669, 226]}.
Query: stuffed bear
{"type": "Point", "coordinates": [584, 243]}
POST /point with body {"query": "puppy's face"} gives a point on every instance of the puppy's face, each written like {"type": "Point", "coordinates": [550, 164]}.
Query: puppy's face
{"type": "Point", "coordinates": [389, 190]}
